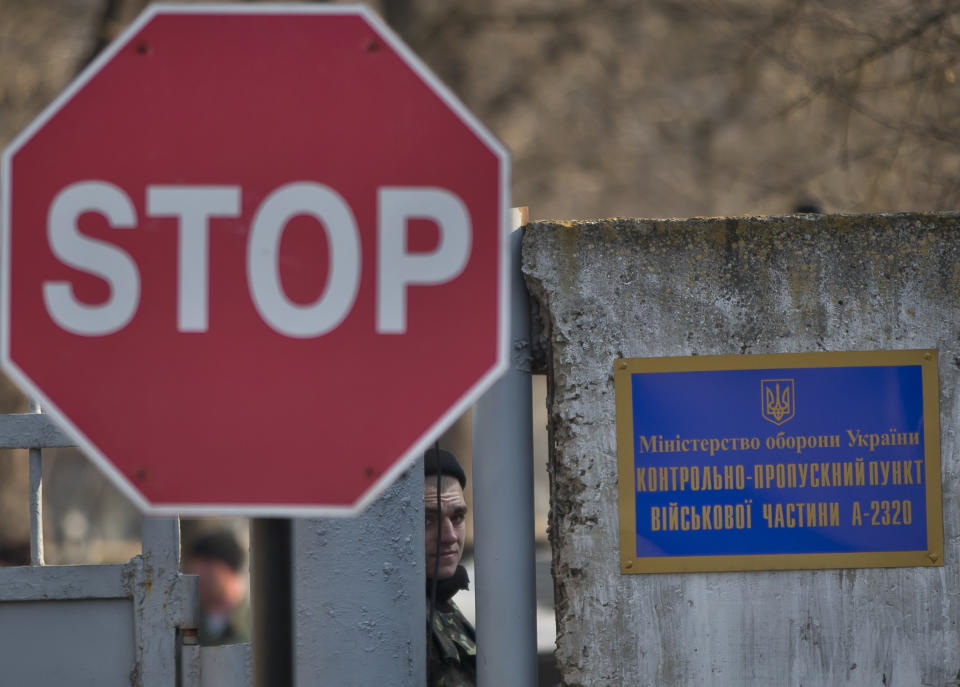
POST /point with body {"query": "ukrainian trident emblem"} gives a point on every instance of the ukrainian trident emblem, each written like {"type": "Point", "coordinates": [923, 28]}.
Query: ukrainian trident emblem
{"type": "Point", "coordinates": [779, 400]}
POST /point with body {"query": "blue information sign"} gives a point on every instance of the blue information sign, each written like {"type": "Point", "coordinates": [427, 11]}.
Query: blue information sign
{"type": "Point", "coordinates": [779, 461]}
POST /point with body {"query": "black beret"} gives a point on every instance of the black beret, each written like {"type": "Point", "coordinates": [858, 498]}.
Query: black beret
{"type": "Point", "coordinates": [443, 462]}
{"type": "Point", "coordinates": [220, 546]}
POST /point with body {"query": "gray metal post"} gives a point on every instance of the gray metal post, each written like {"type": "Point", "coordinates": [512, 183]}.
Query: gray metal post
{"type": "Point", "coordinates": [162, 602]}
{"type": "Point", "coordinates": [36, 500]}
{"type": "Point", "coordinates": [504, 546]}
{"type": "Point", "coordinates": [360, 615]}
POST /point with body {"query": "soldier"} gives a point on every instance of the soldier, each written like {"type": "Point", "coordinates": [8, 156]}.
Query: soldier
{"type": "Point", "coordinates": [217, 559]}
{"type": "Point", "coordinates": [451, 639]}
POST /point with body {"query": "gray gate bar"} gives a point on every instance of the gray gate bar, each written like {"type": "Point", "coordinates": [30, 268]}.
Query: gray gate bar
{"type": "Point", "coordinates": [505, 553]}
{"type": "Point", "coordinates": [31, 430]}
{"type": "Point", "coordinates": [163, 602]}
{"type": "Point", "coordinates": [36, 500]}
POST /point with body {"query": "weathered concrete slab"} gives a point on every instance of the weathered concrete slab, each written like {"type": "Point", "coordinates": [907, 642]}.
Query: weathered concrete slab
{"type": "Point", "coordinates": [639, 288]}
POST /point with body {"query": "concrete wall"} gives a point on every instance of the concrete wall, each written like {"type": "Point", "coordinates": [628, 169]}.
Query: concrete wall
{"type": "Point", "coordinates": [640, 288]}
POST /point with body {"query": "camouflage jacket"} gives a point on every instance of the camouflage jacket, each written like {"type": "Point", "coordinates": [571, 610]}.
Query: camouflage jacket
{"type": "Point", "coordinates": [451, 648]}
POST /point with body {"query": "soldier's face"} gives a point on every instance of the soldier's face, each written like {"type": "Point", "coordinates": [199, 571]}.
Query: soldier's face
{"type": "Point", "coordinates": [452, 518]}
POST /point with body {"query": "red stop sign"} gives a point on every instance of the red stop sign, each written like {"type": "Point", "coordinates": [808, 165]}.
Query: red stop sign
{"type": "Point", "coordinates": [254, 259]}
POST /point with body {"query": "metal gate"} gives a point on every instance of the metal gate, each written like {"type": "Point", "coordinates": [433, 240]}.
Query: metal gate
{"type": "Point", "coordinates": [123, 624]}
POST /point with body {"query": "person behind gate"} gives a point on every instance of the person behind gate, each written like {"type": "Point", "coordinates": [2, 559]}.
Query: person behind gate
{"type": "Point", "coordinates": [451, 639]}
{"type": "Point", "coordinates": [217, 559]}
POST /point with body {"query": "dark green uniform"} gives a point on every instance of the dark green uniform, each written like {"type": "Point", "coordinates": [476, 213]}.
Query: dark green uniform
{"type": "Point", "coordinates": [234, 630]}
{"type": "Point", "coordinates": [451, 648]}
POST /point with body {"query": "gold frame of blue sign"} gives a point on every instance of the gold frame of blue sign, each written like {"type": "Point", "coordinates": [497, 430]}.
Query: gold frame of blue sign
{"type": "Point", "coordinates": [630, 563]}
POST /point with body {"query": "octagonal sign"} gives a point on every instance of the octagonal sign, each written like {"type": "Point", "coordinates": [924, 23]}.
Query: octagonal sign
{"type": "Point", "coordinates": [254, 259]}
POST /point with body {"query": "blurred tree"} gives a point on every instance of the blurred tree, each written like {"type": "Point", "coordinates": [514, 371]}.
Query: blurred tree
{"type": "Point", "coordinates": [686, 107]}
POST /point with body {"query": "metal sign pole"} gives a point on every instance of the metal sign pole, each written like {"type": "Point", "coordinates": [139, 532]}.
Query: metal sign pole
{"type": "Point", "coordinates": [505, 554]}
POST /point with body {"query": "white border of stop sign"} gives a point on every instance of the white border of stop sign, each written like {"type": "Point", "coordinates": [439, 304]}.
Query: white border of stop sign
{"type": "Point", "coordinates": [194, 206]}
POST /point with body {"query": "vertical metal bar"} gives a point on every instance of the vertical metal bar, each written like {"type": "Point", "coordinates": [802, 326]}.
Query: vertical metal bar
{"type": "Point", "coordinates": [272, 602]}
{"type": "Point", "coordinates": [189, 659]}
{"type": "Point", "coordinates": [505, 553]}
{"type": "Point", "coordinates": [36, 500]}
{"type": "Point", "coordinates": [155, 603]}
